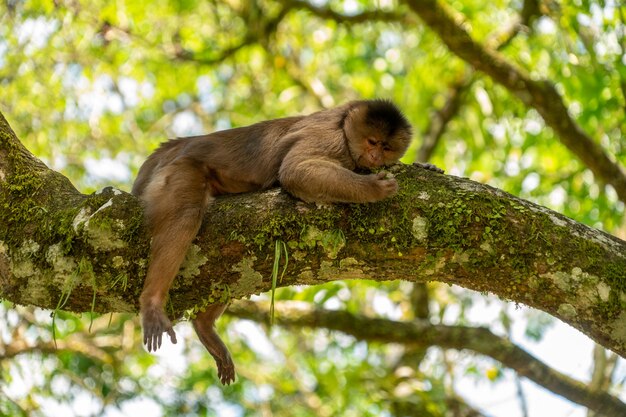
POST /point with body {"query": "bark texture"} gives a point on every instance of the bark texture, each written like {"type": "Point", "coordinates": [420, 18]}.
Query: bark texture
{"type": "Point", "coordinates": [62, 249]}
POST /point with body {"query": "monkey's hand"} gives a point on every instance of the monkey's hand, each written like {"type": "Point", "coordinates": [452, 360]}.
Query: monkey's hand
{"type": "Point", "coordinates": [155, 323]}
{"type": "Point", "coordinates": [385, 185]}
{"type": "Point", "coordinates": [430, 167]}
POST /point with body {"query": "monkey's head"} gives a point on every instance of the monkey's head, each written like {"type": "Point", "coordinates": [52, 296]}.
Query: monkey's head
{"type": "Point", "coordinates": [378, 133]}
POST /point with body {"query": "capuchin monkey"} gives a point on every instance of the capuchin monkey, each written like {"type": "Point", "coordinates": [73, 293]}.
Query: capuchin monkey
{"type": "Point", "coordinates": [312, 157]}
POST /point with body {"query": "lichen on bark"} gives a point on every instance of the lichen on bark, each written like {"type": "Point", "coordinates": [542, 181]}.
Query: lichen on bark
{"type": "Point", "coordinates": [59, 244]}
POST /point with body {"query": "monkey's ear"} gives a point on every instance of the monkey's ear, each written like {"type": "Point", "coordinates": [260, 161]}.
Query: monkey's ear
{"type": "Point", "coordinates": [355, 116]}
{"type": "Point", "coordinates": [359, 110]}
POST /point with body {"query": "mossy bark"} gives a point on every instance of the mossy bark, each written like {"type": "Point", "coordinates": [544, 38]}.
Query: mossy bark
{"type": "Point", "coordinates": [60, 249]}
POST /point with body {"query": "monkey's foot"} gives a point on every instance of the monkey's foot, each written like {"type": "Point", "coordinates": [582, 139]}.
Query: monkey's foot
{"type": "Point", "coordinates": [225, 370]}
{"type": "Point", "coordinates": [429, 167]}
{"type": "Point", "coordinates": [204, 327]}
{"type": "Point", "coordinates": [155, 323]}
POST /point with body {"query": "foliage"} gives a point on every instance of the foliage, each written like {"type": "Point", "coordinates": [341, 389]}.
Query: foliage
{"type": "Point", "coordinates": [91, 87]}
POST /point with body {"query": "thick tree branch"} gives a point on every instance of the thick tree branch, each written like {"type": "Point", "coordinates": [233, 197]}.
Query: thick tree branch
{"type": "Point", "coordinates": [425, 334]}
{"type": "Point", "coordinates": [260, 28]}
{"type": "Point", "coordinates": [439, 120]}
{"type": "Point", "coordinates": [454, 99]}
{"type": "Point", "coordinates": [60, 249]}
{"type": "Point", "coordinates": [326, 12]}
{"type": "Point", "coordinates": [101, 345]}
{"type": "Point", "coordinates": [539, 94]}
{"type": "Point", "coordinates": [74, 346]}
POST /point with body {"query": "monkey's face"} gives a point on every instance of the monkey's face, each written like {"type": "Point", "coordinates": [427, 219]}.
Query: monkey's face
{"type": "Point", "coordinates": [375, 150]}
{"type": "Point", "coordinates": [373, 154]}
{"type": "Point", "coordinates": [378, 134]}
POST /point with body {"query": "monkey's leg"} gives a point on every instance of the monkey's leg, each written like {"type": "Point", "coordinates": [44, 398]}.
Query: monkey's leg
{"type": "Point", "coordinates": [204, 325]}
{"type": "Point", "coordinates": [176, 199]}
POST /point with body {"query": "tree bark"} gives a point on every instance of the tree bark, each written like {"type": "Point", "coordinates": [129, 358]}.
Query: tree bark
{"type": "Point", "coordinates": [60, 249]}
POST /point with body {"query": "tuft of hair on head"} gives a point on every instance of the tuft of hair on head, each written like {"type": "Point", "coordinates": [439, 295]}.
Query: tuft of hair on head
{"type": "Point", "coordinates": [382, 114]}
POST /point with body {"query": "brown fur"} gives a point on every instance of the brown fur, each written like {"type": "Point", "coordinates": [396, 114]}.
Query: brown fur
{"type": "Point", "coordinates": [313, 157]}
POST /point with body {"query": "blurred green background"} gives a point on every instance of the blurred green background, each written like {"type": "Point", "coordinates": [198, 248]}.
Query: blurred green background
{"type": "Point", "coordinates": [92, 87]}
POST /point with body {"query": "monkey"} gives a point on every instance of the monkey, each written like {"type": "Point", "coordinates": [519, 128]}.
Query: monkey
{"type": "Point", "coordinates": [313, 157]}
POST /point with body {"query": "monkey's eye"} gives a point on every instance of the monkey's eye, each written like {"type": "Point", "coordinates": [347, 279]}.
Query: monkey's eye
{"type": "Point", "coordinates": [372, 141]}
{"type": "Point", "coordinates": [386, 148]}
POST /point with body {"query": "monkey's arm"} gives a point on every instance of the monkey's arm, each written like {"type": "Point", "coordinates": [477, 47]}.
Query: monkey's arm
{"type": "Point", "coordinates": [324, 180]}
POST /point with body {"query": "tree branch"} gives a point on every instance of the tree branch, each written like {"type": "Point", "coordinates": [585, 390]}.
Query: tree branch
{"type": "Point", "coordinates": [439, 120]}
{"type": "Point", "coordinates": [328, 13]}
{"type": "Point", "coordinates": [424, 334]}
{"type": "Point", "coordinates": [454, 100]}
{"type": "Point", "coordinates": [539, 94]}
{"type": "Point", "coordinates": [60, 249]}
